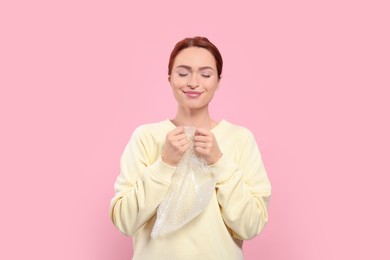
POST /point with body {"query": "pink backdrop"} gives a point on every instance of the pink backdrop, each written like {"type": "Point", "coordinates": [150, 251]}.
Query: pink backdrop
{"type": "Point", "coordinates": [311, 79]}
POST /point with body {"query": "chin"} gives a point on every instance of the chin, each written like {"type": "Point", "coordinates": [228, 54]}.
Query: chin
{"type": "Point", "coordinates": [194, 107]}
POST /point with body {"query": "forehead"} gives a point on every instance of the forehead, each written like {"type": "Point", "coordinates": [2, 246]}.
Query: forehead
{"type": "Point", "coordinates": [195, 57]}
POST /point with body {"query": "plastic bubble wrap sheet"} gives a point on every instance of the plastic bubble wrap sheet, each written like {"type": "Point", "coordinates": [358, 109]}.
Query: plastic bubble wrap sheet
{"type": "Point", "coordinates": [190, 192]}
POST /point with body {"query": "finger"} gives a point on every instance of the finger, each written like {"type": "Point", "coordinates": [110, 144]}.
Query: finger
{"type": "Point", "coordinates": [202, 131]}
{"type": "Point", "coordinates": [201, 150]}
{"type": "Point", "coordinates": [175, 136]}
{"type": "Point", "coordinates": [186, 146]}
{"type": "Point", "coordinates": [202, 145]}
{"type": "Point", "coordinates": [202, 138]}
{"type": "Point", "coordinates": [183, 142]}
{"type": "Point", "coordinates": [177, 130]}
{"type": "Point", "coordinates": [180, 137]}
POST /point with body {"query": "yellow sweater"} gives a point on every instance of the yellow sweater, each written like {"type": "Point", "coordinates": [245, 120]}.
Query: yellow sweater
{"type": "Point", "coordinates": [237, 211]}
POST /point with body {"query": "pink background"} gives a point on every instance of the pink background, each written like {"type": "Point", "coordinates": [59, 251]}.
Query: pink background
{"type": "Point", "coordinates": [310, 78]}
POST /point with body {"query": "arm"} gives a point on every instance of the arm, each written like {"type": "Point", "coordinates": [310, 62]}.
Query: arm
{"type": "Point", "coordinates": [243, 191]}
{"type": "Point", "coordinates": [140, 186]}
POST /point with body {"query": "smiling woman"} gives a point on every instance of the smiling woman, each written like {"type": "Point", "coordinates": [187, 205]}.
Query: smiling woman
{"type": "Point", "coordinates": [155, 163]}
{"type": "Point", "coordinates": [194, 80]}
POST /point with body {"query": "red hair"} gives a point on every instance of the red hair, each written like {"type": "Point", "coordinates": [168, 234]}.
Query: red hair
{"type": "Point", "coordinates": [201, 42]}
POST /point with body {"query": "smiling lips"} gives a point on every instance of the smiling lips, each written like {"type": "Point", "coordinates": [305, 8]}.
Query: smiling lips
{"type": "Point", "coordinates": [192, 94]}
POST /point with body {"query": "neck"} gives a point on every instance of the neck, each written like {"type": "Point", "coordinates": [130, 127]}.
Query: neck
{"type": "Point", "coordinates": [194, 118]}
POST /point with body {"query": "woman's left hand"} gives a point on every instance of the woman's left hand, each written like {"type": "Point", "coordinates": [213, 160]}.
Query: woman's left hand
{"type": "Point", "coordinates": [206, 145]}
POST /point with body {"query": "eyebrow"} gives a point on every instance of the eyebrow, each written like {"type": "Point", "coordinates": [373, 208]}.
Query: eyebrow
{"type": "Point", "coordinates": [189, 68]}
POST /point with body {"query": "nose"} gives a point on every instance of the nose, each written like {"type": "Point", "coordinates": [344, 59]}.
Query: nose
{"type": "Point", "coordinates": [192, 86]}
{"type": "Point", "coordinates": [193, 83]}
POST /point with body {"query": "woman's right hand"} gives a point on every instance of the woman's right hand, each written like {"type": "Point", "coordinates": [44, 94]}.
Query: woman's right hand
{"type": "Point", "coordinates": [176, 144]}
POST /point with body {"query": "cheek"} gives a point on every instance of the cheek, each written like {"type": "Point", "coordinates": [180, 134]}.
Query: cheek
{"type": "Point", "coordinates": [177, 83]}
{"type": "Point", "coordinates": [211, 86]}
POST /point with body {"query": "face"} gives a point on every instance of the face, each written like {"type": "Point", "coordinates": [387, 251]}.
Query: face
{"type": "Point", "coordinates": [194, 78]}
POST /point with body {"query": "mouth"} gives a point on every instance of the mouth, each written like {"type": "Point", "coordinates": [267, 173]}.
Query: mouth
{"type": "Point", "coordinates": [192, 94]}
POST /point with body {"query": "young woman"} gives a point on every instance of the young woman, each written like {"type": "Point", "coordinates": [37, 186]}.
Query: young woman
{"type": "Point", "coordinates": [237, 209]}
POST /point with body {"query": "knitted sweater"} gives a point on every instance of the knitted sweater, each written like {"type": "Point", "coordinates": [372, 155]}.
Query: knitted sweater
{"type": "Point", "coordinates": [237, 211]}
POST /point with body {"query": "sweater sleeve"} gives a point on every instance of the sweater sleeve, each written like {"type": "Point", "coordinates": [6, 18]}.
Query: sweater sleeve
{"type": "Point", "coordinates": [243, 191]}
{"type": "Point", "coordinates": [140, 185]}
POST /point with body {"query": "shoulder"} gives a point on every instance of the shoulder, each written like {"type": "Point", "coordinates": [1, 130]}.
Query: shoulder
{"type": "Point", "coordinates": [144, 128]}
{"type": "Point", "coordinates": [234, 130]}
{"type": "Point", "coordinates": [155, 129]}
{"type": "Point", "coordinates": [236, 141]}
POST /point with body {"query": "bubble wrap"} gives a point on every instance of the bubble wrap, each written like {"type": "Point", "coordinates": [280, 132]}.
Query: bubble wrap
{"type": "Point", "coordinates": [190, 191]}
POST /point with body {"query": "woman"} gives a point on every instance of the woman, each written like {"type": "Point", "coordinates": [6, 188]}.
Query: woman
{"type": "Point", "coordinates": [237, 209]}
